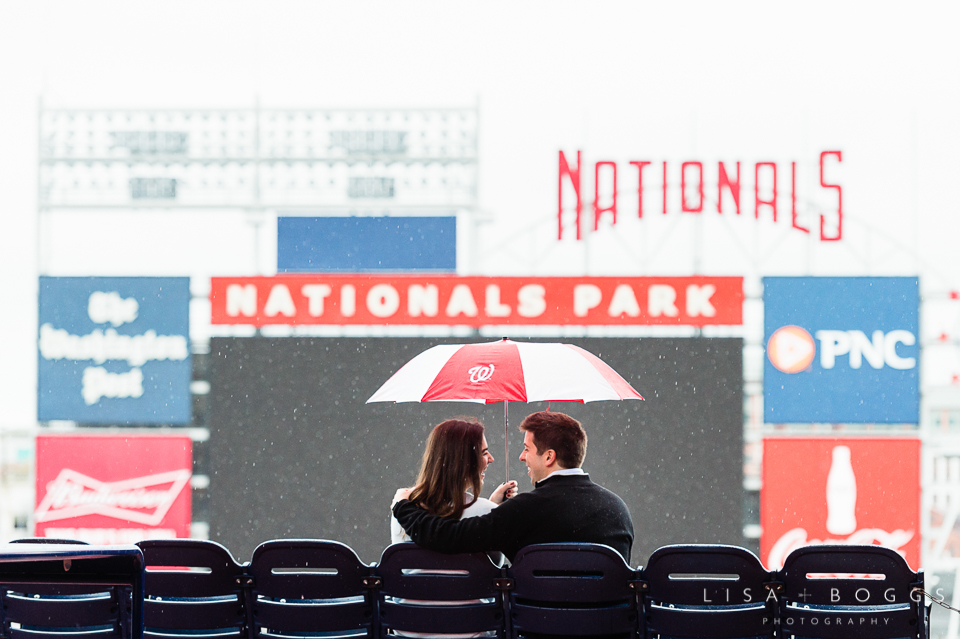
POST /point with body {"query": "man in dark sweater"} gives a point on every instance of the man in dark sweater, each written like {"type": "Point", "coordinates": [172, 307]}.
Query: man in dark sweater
{"type": "Point", "coordinates": [563, 506]}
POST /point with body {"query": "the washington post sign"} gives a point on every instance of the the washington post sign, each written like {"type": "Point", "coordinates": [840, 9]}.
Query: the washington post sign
{"type": "Point", "coordinates": [114, 350]}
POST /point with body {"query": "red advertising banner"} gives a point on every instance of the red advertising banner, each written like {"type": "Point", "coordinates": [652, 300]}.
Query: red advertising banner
{"type": "Point", "coordinates": [840, 491]}
{"type": "Point", "coordinates": [476, 301]}
{"type": "Point", "coordinates": [113, 489]}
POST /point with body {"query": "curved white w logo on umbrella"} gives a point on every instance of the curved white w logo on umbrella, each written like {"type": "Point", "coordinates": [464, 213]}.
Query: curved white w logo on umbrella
{"type": "Point", "coordinates": [480, 374]}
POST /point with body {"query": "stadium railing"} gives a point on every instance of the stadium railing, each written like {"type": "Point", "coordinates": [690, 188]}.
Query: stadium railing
{"type": "Point", "coordinates": [76, 597]}
{"type": "Point", "coordinates": [318, 588]}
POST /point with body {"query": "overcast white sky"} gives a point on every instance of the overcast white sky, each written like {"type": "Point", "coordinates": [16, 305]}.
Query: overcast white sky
{"type": "Point", "coordinates": [706, 81]}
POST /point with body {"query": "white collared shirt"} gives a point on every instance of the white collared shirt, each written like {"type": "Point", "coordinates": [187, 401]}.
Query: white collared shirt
{"type": "Point", "coordinates": [564, 471]}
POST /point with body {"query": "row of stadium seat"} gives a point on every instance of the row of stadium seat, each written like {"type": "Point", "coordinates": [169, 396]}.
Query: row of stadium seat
{"type": "Point", "coordinates": [316, 588]}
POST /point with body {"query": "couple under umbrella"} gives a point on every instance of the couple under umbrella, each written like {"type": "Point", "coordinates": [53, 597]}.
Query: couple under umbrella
{"type": "Point", "coordinates": [455, 462]}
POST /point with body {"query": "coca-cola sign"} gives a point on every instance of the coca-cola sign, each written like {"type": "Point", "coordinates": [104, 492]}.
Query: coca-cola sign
{"type": "Point", "coordinates": [840, 491]}
{"type": "Point", "coordinates": [108, 489]}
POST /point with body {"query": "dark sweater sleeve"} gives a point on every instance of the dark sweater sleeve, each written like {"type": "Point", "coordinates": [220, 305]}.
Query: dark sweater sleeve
{"type": "Point", "coordinates": [497, 530]}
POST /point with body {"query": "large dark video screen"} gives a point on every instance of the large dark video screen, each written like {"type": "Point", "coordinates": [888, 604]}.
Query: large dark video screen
{"type": "Point", "coordinates": [295, 452]}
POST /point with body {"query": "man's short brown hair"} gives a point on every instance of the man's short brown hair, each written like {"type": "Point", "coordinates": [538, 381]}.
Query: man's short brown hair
{"type": "Point", "coordinates": [560, 433]}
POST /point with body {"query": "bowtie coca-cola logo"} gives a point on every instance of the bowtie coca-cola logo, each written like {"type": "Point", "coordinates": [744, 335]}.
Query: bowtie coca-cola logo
{"type": "Point", "coordinates": [144, 500]}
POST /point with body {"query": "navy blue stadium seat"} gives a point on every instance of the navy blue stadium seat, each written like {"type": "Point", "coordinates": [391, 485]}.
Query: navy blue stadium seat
{"type": "Point", "coordinates": [303, 587]}
{"type": "Point", "coordinates": [48, 611]}
{"type": "Point", "coordinates": [431, 593]}
{"type": "Point", "coordinates": [837, 592]}
{"type": "Point", "coordinates": [321, 590]}
{"type": "Point", "coordinates": [572, 590]}
{"type": "Point", "coordinates": [707, 591]}
{"type": "Point", "coordinates": [193, 590]}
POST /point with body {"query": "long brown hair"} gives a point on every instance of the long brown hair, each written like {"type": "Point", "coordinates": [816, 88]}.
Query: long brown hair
{"type": "Point", "coordinates": [451, 465]}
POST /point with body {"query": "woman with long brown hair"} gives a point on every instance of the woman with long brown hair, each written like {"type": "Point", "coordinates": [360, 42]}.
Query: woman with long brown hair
{"type": "Point", "coordinates": [451, 475]}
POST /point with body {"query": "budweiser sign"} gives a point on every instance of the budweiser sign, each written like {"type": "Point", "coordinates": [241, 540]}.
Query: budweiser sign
{"type": "Point", "coordinates": [476, 301]}
{"type": "Point", "coordinates": [113, 489]}
{"type": "Point", "coordinates": [143, 500]}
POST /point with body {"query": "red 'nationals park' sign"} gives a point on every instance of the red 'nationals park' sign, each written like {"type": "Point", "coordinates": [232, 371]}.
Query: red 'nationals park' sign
{"type": "Point", "coordinates": [113, 489]}
{"type": "Point", "coordinates": [476, 301]}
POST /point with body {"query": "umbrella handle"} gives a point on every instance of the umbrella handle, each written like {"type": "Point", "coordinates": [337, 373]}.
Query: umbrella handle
{"type": "Point", "coordinates": [506, 441]}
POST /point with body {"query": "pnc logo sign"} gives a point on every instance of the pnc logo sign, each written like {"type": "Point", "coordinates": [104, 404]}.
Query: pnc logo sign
{"type": "Point", "coordinates": [878, 351]}
{"type": "Point", "coordinates": [791, 349]}
{"type": "Point", "coordinates": [841, 350]}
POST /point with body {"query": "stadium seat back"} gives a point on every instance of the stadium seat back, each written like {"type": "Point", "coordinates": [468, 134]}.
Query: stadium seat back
{"type": "Point", "coordinates": [698, 590]}
{"type": "Point", "coordinates": [836, 592]}
{"type": "Point", "coordinates": [310, 586]}
{"type": "Point", "coordinates": [193, 587]}
{"type": "Point", "coordinates": [572, 589]}
{"type": "Point", "coordinates": [428, 592]}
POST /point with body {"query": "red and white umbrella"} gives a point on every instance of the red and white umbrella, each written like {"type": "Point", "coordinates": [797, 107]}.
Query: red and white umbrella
{"type": "Point", "coordinates": [505, 371]}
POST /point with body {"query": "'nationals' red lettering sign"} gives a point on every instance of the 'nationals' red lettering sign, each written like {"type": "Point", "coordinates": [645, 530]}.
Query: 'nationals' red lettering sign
{"type": "Point", "coordinates": [476, 301]}
{"type": "Point", "coordinates": [695, 190]}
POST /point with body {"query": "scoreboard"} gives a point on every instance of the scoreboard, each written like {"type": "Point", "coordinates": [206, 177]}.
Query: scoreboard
{"type": "Point", "coordinates": [327, 160]}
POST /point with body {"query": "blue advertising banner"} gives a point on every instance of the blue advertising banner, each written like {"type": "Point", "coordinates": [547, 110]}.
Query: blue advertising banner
{"type": "Point", "coordinates": [366, 244]}
{"type": "Point", "coordinates": [114, 350]}
{"type": "Point", "coordinates": [841, 350]}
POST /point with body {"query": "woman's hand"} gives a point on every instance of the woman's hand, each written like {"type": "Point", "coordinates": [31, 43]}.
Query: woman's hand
{"type": "Point", "coordinates": [504, 492]}
{"type": "Point", "coordinates": [402, 493]}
